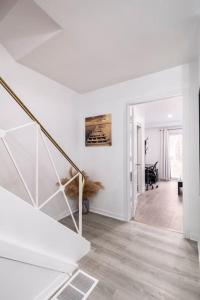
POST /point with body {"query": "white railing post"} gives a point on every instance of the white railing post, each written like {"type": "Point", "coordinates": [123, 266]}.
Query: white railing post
{"type": "Point", "coordinates": [80, 202]}
{"type": "Point", "coordinates": [37, 167]}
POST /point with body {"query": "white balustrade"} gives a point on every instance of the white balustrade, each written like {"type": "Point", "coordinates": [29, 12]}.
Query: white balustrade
{"type": "Point", "coordinates": [60, 189]}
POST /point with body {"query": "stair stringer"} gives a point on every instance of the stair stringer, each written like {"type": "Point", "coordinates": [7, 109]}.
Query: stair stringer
{"type": "Point", "coordinates": [29, 235]}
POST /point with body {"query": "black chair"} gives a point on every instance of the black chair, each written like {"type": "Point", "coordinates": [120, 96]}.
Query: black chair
{"type": "Point", "coordinates": [151, 176]}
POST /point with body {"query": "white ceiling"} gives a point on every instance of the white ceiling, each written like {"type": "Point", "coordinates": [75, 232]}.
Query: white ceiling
{"type": "Point", "coordinates": [156, 114]}
{"type": "Point", "coordinates": [90, 44]}
{"type": "Point", "coordinates": [25, 28]}
{"type": "Point", "coordinates": [5, 7]}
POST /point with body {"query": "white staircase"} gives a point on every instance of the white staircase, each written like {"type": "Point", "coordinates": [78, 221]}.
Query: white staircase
{"type": "Point", "coordinates": [30, 236]}
{"type": "Point", "coordinates": [20, 281]}
{"type": "Point", "coordinates": [38, 255]}
{"type": "Point", "coordinates": [34, 248]}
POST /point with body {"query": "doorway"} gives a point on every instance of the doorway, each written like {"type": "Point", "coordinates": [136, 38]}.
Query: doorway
{"type": "Point", "coordinates": [155, 163]}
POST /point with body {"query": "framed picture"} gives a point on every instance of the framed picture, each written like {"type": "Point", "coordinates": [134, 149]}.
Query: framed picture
{"type": "Point", "coordinates": [98, 131]}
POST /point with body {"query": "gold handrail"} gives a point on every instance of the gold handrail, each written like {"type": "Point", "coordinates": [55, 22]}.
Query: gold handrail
{"type": "Point", "coordinates": [29, 113]}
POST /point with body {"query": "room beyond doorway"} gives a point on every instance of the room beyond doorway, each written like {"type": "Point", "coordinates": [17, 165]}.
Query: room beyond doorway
{"type": "Point", "coordinates": [161, 207]}
{"type": "Point", "coordinates": [155, 163]}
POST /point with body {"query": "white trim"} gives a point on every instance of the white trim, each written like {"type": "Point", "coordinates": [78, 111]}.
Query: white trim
{"type": "Point", "coordinates": [15, 250]}
{"type": "Point", "coordinates": [198, 246]}
{"type": "Point", "coordinates": [127, 185]}
{"type": "Point", "coordinates": [64, 214]}
{"type": "Point", "coordinates": [107, 214]}
{"type": "Point", "coordinates": [61, 215]}
{"type": "Point", "coordinates": [191, 236]}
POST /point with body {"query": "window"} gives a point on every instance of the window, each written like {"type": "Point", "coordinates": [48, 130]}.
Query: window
{"type": "Point", "coordinates": [175, 153]}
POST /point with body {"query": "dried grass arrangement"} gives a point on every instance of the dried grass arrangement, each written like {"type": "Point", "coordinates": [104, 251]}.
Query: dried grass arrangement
{"type": "Point", "coordinates": [90, 189]}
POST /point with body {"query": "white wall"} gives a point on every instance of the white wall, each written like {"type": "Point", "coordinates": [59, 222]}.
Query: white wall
{"type": "Point", "coordinates": [54, 105]}
{"type": "Point", "coordinates": [108, 164]}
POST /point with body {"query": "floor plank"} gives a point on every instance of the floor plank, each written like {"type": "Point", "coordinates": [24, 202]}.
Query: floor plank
{"type": "Point", "coordinates": [161, 207]}
{"type": "Point", "coordinates": [134, 261]}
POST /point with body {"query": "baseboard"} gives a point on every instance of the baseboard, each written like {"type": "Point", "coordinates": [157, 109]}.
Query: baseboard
{"type": "Point", "coordinates": [195, 238]}
{"type": "Point", "coordinates": [64, 214]}
{"type": "Point", "coordinates": [135, 203]}
{"type": "Point", "coordinates": [107, 214]}
{"type": "Point", "coordinates": [191, 236]}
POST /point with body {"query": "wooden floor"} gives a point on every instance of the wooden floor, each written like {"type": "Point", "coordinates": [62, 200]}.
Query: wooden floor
{"type": "Point", "coordinates": [134, 261]}
{"type": "Point", "coordinates": [161, 207]}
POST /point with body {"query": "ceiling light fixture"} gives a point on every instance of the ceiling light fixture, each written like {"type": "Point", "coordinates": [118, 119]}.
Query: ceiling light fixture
{"type": "Point", "coordinates": [170, 116]}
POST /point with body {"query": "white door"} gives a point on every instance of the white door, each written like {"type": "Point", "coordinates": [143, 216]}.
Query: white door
{"type": "Point", "coordinates": [130, 162]}
{"type": "Point", "coordinates": [136, 159]}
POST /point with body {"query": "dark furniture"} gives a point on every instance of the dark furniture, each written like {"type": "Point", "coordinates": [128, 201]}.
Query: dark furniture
{"type": "Point", "coordinates": [151, 176]}
{"type": "Point", "coordinates": [180, 185]}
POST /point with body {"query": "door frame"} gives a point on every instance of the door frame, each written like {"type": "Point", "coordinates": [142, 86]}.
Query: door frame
{"type": "Point", "coordinates": [135, 139]}
{"type": "Point", "coordinates": [127, 185]}
{"type": "Point", "coordinates": [140, 139]}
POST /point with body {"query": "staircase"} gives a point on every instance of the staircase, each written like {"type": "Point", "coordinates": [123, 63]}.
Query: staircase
{"type": "Point", "coordinates": [38, 255]}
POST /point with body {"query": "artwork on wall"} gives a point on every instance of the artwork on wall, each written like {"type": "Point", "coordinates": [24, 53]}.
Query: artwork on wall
{"type": "Point", "coordinates": [98, 130]}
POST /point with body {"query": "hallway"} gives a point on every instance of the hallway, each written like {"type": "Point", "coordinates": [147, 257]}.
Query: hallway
{"type": "Point", "coordinates": [161, 207]}
{"type": "Point", "coordinates": [137, 262]}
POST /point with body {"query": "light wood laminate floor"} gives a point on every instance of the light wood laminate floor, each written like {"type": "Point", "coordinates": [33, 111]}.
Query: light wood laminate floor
{"type": "Point", "coordinates": [161, 207]}
{"type": "Point", "coordinates": [134, 261]}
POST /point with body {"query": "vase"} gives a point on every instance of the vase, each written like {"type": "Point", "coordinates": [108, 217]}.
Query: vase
{"type": "Point", "coordinates": [85, 206]}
